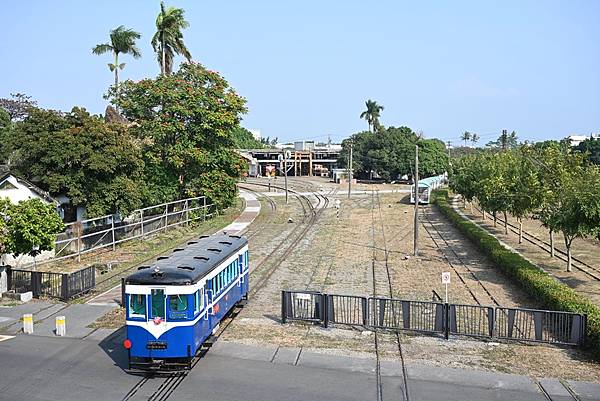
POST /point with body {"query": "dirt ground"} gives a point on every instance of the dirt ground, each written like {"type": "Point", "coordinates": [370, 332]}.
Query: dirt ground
{"type": "Point", "coordinates": [335, 256]}
{"type": "Point", "coordinates": [588, 250]}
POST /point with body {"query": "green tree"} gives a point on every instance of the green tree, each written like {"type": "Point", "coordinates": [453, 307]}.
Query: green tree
{"type": "Point", "coordinates": [185, 122]}
{"type": "Point", "coordinates": [372, 114]}
{"type": "Point", "coordinates": [243, 139]}
{"type": "Point", "coordinates": [524, 185]}
{"type": "Point", "coordinates": [18, 106]}
{"type": "Point", "coordinates": [5, 134]}
{"type": "Point", "coordinates": [591, 147]}
{"type": "Point", "coordinates": [474, 138]}
{"type": "Point", "coordinates": [390, 153]}
{"type": "Point", "coordinates": [168, 39]}
{"type": "Point", "coordinates": [122, 40]}
{"type": "Point", "coordinates": [97, 165]}
{"type": "Point", "coordinates": [32, 224]}
{"type": "Point", "coordinates": [4, 219]}
{"type": "Point", "coordinates": [466, 136]}
{"type": "Point", "coordinates": [505, 141]}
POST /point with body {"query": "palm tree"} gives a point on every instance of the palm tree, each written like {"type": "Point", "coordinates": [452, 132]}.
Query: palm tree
{"type": "Point", "coordinates": [474, 138]}
{"type": "Point", "coordinates": [372, 114]}
{"type": "Point", "coordinates": [168, 39]}
{"type": "Point", "coordinates": [122, 40]}
{"type": "Point", "coordinates": [465, 137]}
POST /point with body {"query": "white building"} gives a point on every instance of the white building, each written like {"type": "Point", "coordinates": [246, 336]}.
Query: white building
{"type": "Point", "coordinates": [577, 139]}
{"type": "Point", "coordinates": [16, 190]}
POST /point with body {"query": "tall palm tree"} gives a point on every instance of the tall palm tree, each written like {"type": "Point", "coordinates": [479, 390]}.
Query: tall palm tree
{"type": "Point", "coordinates": [168, 39]}
{"type": "Point", "coordinates": [474, 138]}
{"type": "Point", "coordinates": [465, 137]}
{"type": "Point", "coordinates": [122, 40]}
{"type": "Point", "coordinates": [372, 114]}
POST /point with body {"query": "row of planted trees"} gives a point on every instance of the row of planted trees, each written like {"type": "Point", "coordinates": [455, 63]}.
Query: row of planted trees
{"type": "Point", "coordinates": [551, 183]}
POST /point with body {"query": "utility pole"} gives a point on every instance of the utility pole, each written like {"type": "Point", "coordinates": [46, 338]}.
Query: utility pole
{"type": "Point", "coordinates": [416, 181]}
{"type": "Point", "coordinates": [448, 145]}
{"type": "Point", "coordinates": [350, 172]}
{"type": "Point", "coordinates": [285, 171]}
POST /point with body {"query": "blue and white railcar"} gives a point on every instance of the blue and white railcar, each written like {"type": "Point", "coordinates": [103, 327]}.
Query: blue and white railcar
{"type": "Point", "coordinates": [175, 304]}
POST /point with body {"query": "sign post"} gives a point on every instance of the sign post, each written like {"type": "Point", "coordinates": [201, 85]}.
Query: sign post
{"type": "Point", "coordinates": [446, 281]}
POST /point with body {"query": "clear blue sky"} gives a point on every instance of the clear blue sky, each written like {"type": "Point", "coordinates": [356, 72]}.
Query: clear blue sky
{"type": "Point", "coordinates": [307, 67]}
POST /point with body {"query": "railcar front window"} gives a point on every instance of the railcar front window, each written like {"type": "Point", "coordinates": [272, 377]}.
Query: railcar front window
{"type": "Point", "coordinates": [178, 305]}
{"type": "Point", "coordinates": [137, 305]}
{"type": "Point", "coordinates": [158, 303]}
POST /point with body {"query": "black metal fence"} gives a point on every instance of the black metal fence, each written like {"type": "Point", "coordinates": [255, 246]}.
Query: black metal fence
{"type": "Point", "coordinates": [434, 317]}
{"type": "Point", "coordinates": [52, 285]}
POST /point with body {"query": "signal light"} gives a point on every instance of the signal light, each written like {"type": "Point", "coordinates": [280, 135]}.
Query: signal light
{"type": "Point", "coordinates": [127, 344]}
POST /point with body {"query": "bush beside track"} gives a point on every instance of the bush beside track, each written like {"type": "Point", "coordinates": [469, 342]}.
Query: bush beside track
{"type": "Point", "coordinates": [539, 284]}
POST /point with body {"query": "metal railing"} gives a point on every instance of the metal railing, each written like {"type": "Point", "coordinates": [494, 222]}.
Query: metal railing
{"type": "Point", "coordinates": [91, 235]}
{"type": "Point", "coordinates": [437, 318]}
{"type": "Point", "coordinates": [63, 286]}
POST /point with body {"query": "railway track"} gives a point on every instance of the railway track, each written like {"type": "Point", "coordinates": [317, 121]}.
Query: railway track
{"type": "Point", "coordinates": [251, 233]}
{"type": "Point", "coordinates": [161, 389]}
{"type": "Point", "coordinates": [577, 263]}
{"type": "Point", "coordinates": [455, 261]}
{"type": "Point", "coordinates": [148, 389]}
{"type": "Point", "coordinates": [390, 290]}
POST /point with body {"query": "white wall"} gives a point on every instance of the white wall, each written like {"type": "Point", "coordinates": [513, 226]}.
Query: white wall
{"type": "Point", "coordinates": [20, 193]}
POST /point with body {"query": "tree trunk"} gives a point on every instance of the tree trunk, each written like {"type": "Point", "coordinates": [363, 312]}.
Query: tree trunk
{"type": "Point", "coordinates": [471, 203]}
{"type": "Point", "coordinates": [505, 224]}
{"type": "Point", "coordinates": [520, 231]}
{"type": "Point", "coordinates": [495, 218]}
{"type": "Point", "coordinates": [551, 243]}
{"type": "Point", "coordinates": [569, 260]}
{"type": "Point", "coordinates": [464, 202]}
{"type": "Point", "coordinates": [162, 49]}
{"type": "Point", "coordinates": [116, 75]}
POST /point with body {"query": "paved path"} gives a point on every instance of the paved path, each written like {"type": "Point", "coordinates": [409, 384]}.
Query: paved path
{"type": "Point", "coordinates": [65, 369]}
{"type": "Point", "coordinates": [112, 297]}
{"type": "Point", "coordinates": [77, 318]}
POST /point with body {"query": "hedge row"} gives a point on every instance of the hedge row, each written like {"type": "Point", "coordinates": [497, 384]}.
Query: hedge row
{"type": "Point", "coordinates": [553, 294]}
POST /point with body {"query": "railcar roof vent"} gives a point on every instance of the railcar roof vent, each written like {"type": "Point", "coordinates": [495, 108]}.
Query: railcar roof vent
{"type": "Point", "coordinates": [235, 236]}
{"type": "Point", "coordinates": [162, 258]}
{"type": "Point", "coordinates": [203, 236]}
{"type": "Point", "coordinates": [185, 267]}
{"type": "Point", "coordinates": [177, 249]}
{"type": "Point", "coordinates": [225, 242]}
{"type": "Point", "coordinates": [192, 242]}
{"type": "Point", "coordinates": [143, 267]}
{"type": "Point", "coordinates": [157, 272]}
{"type": "Point", "coordinates": [204, 258]}
{"type": "Point", "coordinates": [214, 250]}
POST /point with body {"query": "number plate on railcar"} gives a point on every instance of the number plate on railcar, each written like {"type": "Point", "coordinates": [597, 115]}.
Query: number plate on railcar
{"type": "Point", "coordinates": [156, 345]}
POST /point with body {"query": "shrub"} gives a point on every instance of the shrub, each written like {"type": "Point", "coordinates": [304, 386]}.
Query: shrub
{"type": "Point", "coordinates": [539, 284]}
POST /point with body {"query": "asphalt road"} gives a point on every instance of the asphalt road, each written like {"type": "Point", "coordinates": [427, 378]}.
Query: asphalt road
{"type": "Point", "coordinates": [65, 369]}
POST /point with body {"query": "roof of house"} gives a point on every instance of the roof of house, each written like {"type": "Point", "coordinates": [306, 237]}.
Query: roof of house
{"type": "Point", "coordinates": [5, 174]}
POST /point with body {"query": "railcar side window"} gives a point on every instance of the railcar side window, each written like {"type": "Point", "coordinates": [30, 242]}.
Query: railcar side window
{"type": "Point", "coordinates": [158, 303]}
{"type": "Point", "coordinates": [198, 300]}
{"type": "Point", "coordinates": [137, 305]}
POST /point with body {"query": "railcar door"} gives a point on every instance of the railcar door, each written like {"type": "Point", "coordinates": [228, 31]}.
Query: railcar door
{"type": "Point", "coordinates": [157, 322]}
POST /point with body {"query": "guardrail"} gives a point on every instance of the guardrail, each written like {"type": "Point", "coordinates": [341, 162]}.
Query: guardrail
{"type": "Point", "coordinates": [52, 285]}
{"type": "Point", "coordinates": [437, 318]}
{"type": "Point", "coordinates": [90, 235]}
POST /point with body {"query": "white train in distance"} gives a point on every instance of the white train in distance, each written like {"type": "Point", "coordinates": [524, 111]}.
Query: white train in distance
{"type": "Point", "coordinates": [427, 185]}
